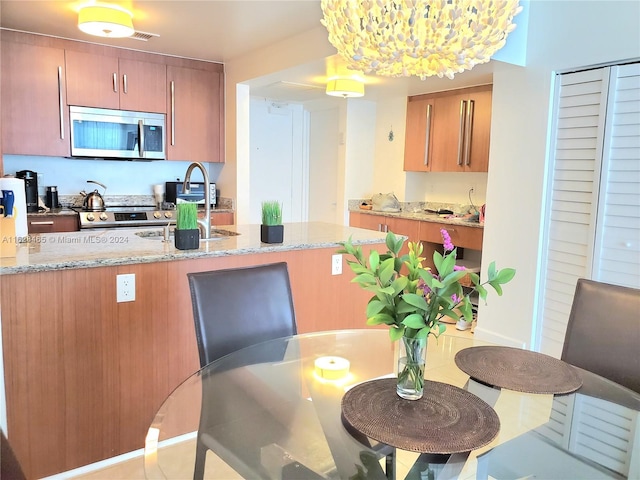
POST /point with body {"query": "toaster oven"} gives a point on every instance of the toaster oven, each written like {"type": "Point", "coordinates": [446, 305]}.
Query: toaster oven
{"type": "Point", "coordinates": [174, 194]}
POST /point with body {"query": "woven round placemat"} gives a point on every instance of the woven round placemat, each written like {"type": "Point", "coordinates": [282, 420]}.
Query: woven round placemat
{"type": "Point", "coordinates": [445, 420]}
{"type": "Point", "coordinates": [519, 370]}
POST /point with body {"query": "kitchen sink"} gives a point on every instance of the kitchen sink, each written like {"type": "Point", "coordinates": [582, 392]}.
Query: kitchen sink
{"type": "Point", "coordinates": [216, 234]}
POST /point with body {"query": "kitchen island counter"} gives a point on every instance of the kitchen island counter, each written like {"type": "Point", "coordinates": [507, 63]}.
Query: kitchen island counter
{"type": "Point", "coordinates": [122, 246]}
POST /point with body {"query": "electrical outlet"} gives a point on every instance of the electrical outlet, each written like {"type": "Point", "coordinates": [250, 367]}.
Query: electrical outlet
{"type": "Point", "coordinates": [336, 264]}
{"type": "Point", "coordinates": [126, 287]}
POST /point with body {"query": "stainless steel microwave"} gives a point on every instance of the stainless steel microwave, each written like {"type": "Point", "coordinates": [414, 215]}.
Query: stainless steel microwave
{"type": "Point", "coordinates": [118, 134]}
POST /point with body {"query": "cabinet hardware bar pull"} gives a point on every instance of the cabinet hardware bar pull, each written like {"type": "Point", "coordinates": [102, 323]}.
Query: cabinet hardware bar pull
{"type": "Point", "coordinates": [427, 136]}
{"type": "Point", "coordinates": [467, 133]}
{"type": "Point", "coordinates": [115, 82]}
{"type": "Point", "coordinates": [463, 110]}
{"type": "Point", "coordinates": [173, 112]}
{"type": "Point", "coordinates": [124, 83]}
{"type": "Point", "coordinates": [61, 102]}
{"type": "Point", "coordinates": [141, 138]}
{"type": "Point", "coordinates": [50, 222]}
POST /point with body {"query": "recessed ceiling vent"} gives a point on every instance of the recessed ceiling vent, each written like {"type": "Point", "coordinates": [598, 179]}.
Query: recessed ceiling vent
{"type": "Point", "coordinates": [143, 36]}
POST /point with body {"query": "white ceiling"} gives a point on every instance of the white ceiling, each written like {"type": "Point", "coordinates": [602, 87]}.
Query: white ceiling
{"type": "Point", "coordinates": [219, 31]}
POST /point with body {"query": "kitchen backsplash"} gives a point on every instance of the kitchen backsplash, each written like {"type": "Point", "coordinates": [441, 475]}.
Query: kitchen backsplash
{"type": "Point", "coordinates": [223, 203]}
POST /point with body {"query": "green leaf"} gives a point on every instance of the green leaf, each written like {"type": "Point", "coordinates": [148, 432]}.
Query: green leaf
{"type": "Point", "coordinates": [381, 318]}
{"type": "Point", "coordinates": [388, 290]}
{"type": "Point", "coordinates": [505, 275]}
{"type": "Point", "coordinates": [437, 260]}
{"type": "Point", "coordinates": [415, 320]}
{"type": "Point", "coordinates": [453, 277]}
{"type": "Point", "coordinates": [399, 284]}
{"type": "Point", "coordinates": [415, 300]}
{"type": "Point", "coordinates": [423, 333]}
{"type": "Point", "coordinates": [390, 240]}
{"type": "Point", "coordinates": [374, 306]}
{"type": "Point", "coordinates": [496, 286]}
{"type": "Point", "coordinates": [482, 292]}
{"type": "Point", "coordinates": [374, 260]}
{"type": "Point", "coordinates": [492, 271]}
{"type": "Point", "coordinates": [364, 278]}
{"type": "Point", "coordinates": [395, 333]}
{"type": "Point", "coordinates": [386, 271]}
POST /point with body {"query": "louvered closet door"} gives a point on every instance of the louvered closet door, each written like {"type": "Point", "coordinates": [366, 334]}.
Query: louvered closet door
{"type": "Point", "coordinates": [593, 209]}
{"type": "Point", "coordinates": [581, 100]}
{"type": "Point", "coordinates": [617, 257]}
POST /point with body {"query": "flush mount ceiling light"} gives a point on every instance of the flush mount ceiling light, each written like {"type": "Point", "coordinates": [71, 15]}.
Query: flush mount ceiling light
{"type": "Point", "coordinates": [418, 37]}
{"type": "Point", "coordinates": [345, 87]}
{"type": "Point", "coordinates": [105, 20]}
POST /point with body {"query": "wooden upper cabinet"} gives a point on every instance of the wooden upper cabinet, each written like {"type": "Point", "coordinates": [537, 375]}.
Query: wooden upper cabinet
{"type": "Point", "coordinates": [194, 115]}
{"type": "Point", "coordinates": [418, 135]}
{"type": "Point", "coordinates": [34, 115]}
{"type": "Point", "coordinates": [460, 131]}
{"type": "Point", "coordinates": [110, 82]}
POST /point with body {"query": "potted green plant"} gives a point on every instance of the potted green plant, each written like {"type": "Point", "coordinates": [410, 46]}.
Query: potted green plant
{"type": "Point", "coordinates": [187, 235]}
{"type": "Point", "coordinates": [412, 299]}
{"type": "Point", "coordinates": [271, 230]}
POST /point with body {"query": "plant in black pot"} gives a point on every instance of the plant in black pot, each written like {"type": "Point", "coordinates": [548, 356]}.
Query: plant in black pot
{"type": "Point", "coordinates": [187, 235]}
{"type": "Point", "coordinates": [271, 230]}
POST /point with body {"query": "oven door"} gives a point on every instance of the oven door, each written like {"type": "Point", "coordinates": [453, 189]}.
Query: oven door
{"type": "Point", "coordinates": [97, 132]}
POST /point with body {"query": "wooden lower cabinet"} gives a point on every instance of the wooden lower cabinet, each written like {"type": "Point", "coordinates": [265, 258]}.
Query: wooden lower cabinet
{"type": "Point", "coordinates": [84, 375]}
{"type": "Point", "coordinates": [52, 223]}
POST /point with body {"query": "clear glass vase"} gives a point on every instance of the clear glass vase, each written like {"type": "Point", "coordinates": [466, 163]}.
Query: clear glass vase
{"type": "Point", "coordinates": [412, 358]}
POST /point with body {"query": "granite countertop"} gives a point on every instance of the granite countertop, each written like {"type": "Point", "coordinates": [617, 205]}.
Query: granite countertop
{"type": "Point", "coordinates": [423, 216]}
{"type": "Point", "coordinates": [121, 246]}
{"type": "Point", "coordinates": [54, 211]}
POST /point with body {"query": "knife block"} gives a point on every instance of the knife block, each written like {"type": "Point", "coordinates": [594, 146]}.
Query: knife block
{"type": "Point", "coordinates": [8, 239]}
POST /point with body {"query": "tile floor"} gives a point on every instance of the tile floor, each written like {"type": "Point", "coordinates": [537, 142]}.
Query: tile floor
{"type": "Point", "coordinates": [133, 469]}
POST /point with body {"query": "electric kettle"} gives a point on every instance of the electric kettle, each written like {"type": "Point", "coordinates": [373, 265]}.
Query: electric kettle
{"type": "Point", "coordinates": [93, 202]}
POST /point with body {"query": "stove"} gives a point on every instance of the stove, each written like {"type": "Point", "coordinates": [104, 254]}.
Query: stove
{"type": "Point", "coordinates": [126, 216]}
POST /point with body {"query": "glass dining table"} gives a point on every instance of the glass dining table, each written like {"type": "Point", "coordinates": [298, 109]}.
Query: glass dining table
{"type": "Point", "coordinates": [274, 410]}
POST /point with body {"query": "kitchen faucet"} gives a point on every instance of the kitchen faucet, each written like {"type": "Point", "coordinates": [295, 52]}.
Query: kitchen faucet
{"type": "Point", "coordinates": [205, 223]}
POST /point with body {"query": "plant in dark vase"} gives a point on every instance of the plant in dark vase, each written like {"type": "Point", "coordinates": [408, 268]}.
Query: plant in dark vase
{"type": "Point", "coordinates": [271, 230]}
{"type": "Point", "coordinates": [187, 235]}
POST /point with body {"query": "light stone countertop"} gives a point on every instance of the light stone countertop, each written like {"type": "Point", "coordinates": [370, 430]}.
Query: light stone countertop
{"type": "Point", "coordinates": [421, 216]}
{"type": "Point", "coordinates": [121, 246]}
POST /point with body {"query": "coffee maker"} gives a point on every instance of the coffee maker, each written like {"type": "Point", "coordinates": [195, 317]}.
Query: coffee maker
{"type": "Point", "coordinates": [31, 189]}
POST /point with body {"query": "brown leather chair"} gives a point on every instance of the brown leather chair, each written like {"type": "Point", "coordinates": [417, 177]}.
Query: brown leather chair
{"type": "Point", "coordinates": [603, 332]}
{"type": "Point", "coordinates": [10, 468]}
{"type": "Point", "coordinates": [234, 309]}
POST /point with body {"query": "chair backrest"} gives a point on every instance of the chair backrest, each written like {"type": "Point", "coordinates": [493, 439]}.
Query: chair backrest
{"type": "Point", "coordinates": [239, 307]}
{"type": "Point", "coordinates": [9, 466]}
{"type": "Point", "coordinates": [603, 332]}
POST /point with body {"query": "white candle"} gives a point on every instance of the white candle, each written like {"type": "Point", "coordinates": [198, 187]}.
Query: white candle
{"type": "Point", "coordinates": [332, 368]}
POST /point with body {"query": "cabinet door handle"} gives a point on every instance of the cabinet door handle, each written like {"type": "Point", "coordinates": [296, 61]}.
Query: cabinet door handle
{"type": "Point", "coordinates": [115, 82]}
{"type": "Point", "coordinates": [467, 133]}
{"type": "Point", "coordinates": [463, 111]}
{"type": "Point", "coordinates": [427, 136]}
{"type": "Point", "coordinates": [141, 138]}
{"type": "Point", "coordinates": [49, 222]}
{"type": "Point", "coordinates": [124, 83]}
{"type": "Point", "coordinates": [61, 103]}
{"type": "Point", "coordinates": [173, 112]}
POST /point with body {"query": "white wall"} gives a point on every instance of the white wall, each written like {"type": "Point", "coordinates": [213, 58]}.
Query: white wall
{"type": "Point", "coordinates": [323, 165]}
{"type": "Point", "coordinates": [562, 35]}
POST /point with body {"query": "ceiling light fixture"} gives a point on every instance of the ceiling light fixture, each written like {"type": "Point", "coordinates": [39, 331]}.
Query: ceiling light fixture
{"type": "Point", "coordinates": [105, 20]}
{"type": "Point", "coordinates": [345, 87]}
{"type": "Point", "coordinates": [397, 38]}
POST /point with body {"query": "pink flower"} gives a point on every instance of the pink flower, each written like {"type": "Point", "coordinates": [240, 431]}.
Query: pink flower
{"type": "Point", "coordinates": [457, 268]}
{"type": "Point", "coordinates": [448, 245]}
{"type": "Point", "coordinates": [456, 299]}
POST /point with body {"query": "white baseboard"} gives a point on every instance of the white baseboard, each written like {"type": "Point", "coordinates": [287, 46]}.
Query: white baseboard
{"type": "Point", "coordinates": [109, 462]}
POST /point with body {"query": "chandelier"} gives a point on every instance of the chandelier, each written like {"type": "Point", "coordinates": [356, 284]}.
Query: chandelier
{"type": "Point", "coordinates": [395, 38]}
